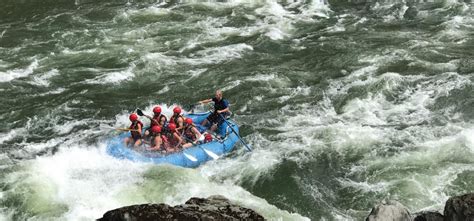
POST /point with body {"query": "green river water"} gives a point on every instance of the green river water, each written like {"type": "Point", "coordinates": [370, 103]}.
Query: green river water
{"type": "Point", "coordinates": [345, 103]}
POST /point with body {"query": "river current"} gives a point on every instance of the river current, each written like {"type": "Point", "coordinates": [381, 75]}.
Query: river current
{"type": "Point", "coordinates": [345, 103]}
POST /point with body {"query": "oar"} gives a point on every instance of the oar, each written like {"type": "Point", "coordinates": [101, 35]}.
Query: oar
{"type": "Point", "coordinates": [238, 136]}
{"type": "Point", "coordinates": [208, 152]}
{"type": "Point", "coordinates": [125, 129]}
{"type": "Point", "coordinates": [140, 113]}
{"type": "Point", "coordinates": [190, 157]}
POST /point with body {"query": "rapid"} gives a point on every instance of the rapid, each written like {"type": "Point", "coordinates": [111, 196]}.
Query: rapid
{"type": "Point", "coordinates": [345, 103]}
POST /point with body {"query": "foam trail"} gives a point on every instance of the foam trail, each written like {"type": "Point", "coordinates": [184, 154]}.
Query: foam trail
{"type": "Point", "coordinates": [75, 177]}
{"type": "Point", "coordinates": [18, 73]}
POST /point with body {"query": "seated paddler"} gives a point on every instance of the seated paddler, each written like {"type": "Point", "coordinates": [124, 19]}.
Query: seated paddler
{"type": "Point", "coordinates": [191, 134]}
{"type": "Point", "coordinates": [135, 128]}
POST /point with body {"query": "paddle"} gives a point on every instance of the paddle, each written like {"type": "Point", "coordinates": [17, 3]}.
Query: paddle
{"type": "Point", "coordinates": [125, 129]}
{"type": "Point", "coordinates": [208, 152]}
{"type": "Point", "coordinates": [190, 157]}
{"type": "Point", "coordinates": [140, 113]}
{"type": "Point", "coordinates": [238, 136]}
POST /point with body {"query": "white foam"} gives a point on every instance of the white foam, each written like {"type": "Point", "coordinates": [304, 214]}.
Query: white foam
{"type": "Point", "coordinates": [68, 51]}
{"type": "Point", "coordinates": [456, 28]}
{"type": "Point", "coordinates": [3, 64]}
{"type": "Point", "coordinates": [164, 90]}
{"type": "Point", "coordinates": [11, 134]}
{"type": "Point", "coordinates": [43, 80]}
{"type": "Point", "coordinates": [3, 33]}
{"type": "Point", "coordinates": [295, 92]}
{"type": "Point", "coordinates": [114, 77]}
{"type": "Point", "coordinates": [218, 54]}
{"type": "Point", "coordinates": [195, 73]}
{"type": "Point", "coordinates": [67, 127]}
{"type": "Point", "coordinates": [18, 73]}
{"type": "Point", "coordinates": [88, 182]}
{"type": "Point", "coordinates": [160, 59]}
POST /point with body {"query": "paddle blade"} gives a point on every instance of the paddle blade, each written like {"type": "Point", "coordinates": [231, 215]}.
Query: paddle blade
{"type": "Point", "coordinates": [126, 129]}
{"type": "Point", "coordinates": [191, 158]}
{"type": "Point", "coordinates": [140, 112]}
{"type": "Point", "coordinates": [211, 154]}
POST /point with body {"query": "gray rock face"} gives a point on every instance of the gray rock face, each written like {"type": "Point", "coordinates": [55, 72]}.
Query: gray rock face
{"type": "Point", "coordinates": [212, 208]}
{"type": "Point", "coordinates": [460, 208]}
{"type": "Point", "coordinates": [428, 216]}
{"type": "Point", "coordinates": [389, 211]}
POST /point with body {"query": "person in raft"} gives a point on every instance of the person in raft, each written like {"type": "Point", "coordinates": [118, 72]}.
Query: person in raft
{"type": "Point", "coordinates": [174, 139]}
{"type": "Point", "coordinates": [177, 119]}
{"type": "Point", "coordinates": [221, 110]}
{"type": "Point", "coordinates": [156, 139]}
{"type": "Point", "coordinates": [158, 119]}
{"type": "Point", "coordinates": [135, 131]}
{"type": "Point", "coordinates": [190, 133]}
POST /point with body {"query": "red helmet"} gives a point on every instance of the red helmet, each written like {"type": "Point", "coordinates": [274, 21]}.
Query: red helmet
{"type": "Point", "coordinates": [133, 117]}
{"type": "Point", "coordinates": [188, 121]}
{"type": "Point", "coordinates": [157, 110]}
{"type": "Point", "coordinates": [207, 138]}
{"type": "Point", "coordinates": [156, 129]}
{"type": "Point", "coordinates": [172, 127]}
{"type": "Point", "coordinates": [177, 110]}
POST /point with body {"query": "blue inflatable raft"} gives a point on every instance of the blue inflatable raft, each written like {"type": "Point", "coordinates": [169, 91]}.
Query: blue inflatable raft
{"type": "Point", "coordinates": [189, 157]}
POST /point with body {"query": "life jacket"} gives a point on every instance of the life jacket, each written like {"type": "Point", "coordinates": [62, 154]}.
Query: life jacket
{"type": "Point", "coordinates": [134, 126]}
{"type": "Point", "coordinates": [189, 134]}
{"type": "Point", "coordinates": [174, 119]}
{"type": "Point", "coordinates": [163, 140]}
{"type": "Point", "coordinates": [157, 118]}
{"type": "Point", "coordinates": [172, 140]}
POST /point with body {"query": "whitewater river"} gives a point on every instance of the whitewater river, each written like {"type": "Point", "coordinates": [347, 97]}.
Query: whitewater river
{"type": "Point", "coordinates": [344, 103]}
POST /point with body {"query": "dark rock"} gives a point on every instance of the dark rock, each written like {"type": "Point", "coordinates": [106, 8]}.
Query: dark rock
{"type": "Point", "coordinates": [212, 208]}
{"type": "Point", "coordinates": [389, 211]}
{"type": "Point", "coordinates": [460, 208]}
{"type": "Point", "coordinates": [411, 13]}
{"type": "Point", "coordinates": [428, 216]}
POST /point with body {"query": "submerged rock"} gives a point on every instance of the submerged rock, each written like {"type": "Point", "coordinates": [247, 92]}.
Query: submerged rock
{"type": "Point", "coordinates": [389, 211]}
{"type": "Point", "coordinates": [460, 208]}
{"type": "Point", "coordinates": [212, 208]}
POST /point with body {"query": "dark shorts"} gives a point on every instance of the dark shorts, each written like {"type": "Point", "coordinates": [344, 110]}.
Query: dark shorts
{"type": "Point", "coordinates": [136, 137]}
{"type": "Point", "coordinates": [214, 118]}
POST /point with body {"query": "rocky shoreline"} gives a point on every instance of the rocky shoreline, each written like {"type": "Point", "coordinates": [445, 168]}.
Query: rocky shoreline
{"type": "Point", "coordinates": [457, 208]}
{"type": "Point", "coordinates": [211, 208]}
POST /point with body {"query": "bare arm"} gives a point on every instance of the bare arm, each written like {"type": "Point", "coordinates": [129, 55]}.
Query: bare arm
{"type": "Point", "coordinates": [205, 101]}
{"type": "Point", "coordinates": [151, 118]}
{"type": "Point", "coordinates": [180, 125]}
{"type": "Point", "coordinates": [139, 129]}
{"type": "Point", "coordinates": [180, 141]}
{"type": "Point", "coordinates": [223, 110]}
{"type": "Point", "coordinates": [197, 133]}
{"type": "Point", "coordinates": [158, 142]}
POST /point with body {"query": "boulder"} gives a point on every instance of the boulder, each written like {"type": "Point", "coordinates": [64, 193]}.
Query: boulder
{"type": "Point", "coordinates": [460, 208]}
{"type": "Point", "coordinates": [389, 211]}
{"type": "Point", "coordinates": [212, 208]}
{"type": "Point", "coordinates": [428, 216]}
